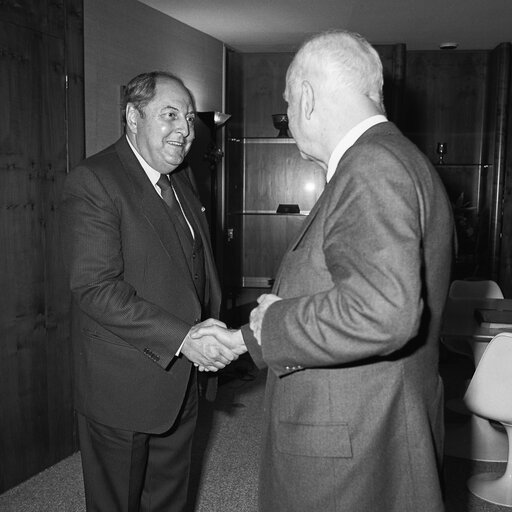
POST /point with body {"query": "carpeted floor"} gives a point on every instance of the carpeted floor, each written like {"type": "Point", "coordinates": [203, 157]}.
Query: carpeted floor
{"type": "Point", "coordinates": [225, 458]}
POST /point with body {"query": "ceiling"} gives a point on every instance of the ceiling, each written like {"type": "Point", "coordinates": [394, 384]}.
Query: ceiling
{"type": "Point", "coordinates": [280, 25]}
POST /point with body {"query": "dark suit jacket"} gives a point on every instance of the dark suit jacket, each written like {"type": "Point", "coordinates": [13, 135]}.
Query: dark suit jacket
{"type": "Point", "coordinates": [134, 298]}
{"type": "Point", "coordinates": [353, 407]}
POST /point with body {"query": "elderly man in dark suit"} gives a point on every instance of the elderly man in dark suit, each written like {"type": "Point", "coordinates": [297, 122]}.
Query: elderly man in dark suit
{"type": "Point", "coordinates": [142, 276]}
{"type": "Point", "coordinates": [353, 408]}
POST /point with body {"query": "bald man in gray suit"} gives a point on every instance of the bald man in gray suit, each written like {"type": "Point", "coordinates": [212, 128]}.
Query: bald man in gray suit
{"type": "Point", "coordinates": [353, 407]}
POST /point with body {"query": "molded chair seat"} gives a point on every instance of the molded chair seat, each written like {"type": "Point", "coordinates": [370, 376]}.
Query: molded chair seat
{"type": "Point", "coordinates": [462, 289]}
{"type": "Point", "coordinates": [489, 395]}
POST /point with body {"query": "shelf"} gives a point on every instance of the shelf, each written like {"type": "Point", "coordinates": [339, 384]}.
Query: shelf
{"type": "Point", "coordinates": [257, 282]}
{"type": "Point", "coordinates": [264, 140]}
{"type": "Point", "coordinates": [444, 166]}
{"type": "Point", "coordinates": [303, 213]}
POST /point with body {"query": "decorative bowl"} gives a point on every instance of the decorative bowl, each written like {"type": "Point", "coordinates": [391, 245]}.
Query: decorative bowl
{"type": "Point", "coordinates": [281, 123]}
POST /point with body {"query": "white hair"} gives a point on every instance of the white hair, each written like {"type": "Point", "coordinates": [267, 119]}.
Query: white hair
{"type": "Point", "coordinates": [340, 59]}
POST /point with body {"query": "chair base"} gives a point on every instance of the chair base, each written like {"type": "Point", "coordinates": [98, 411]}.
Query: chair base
{"type": "Point", "coordinates": [492, 487]}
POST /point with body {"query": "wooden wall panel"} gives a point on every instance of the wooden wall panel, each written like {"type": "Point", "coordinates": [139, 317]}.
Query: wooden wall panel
{"type": "Point", "coordinates": [234, 96]}
{"type": "Point", "coordinates": [275, 173]}
{"type": "Point", "coordinates": [266, 238]}
{"type": "Point", "coordinates": [46, 16]}
{"type": "Point", "coordinates": [393, 64]}
{"type": "Point", "coordinates": [445, 102]}
{"type": "Point", "coordinates": [500, 153]}
{"type": "Point", "coordinates": [22, 305]}
{"type": "Point", "coordinates": [36, 413]}
{"type": "Point", "coordinates": [264, 80]}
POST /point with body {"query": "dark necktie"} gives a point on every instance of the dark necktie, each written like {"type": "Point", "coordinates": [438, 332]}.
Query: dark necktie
{"type": "Point", "coordinates": [165, 184]}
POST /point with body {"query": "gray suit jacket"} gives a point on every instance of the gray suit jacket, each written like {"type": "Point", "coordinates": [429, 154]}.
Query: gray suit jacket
{"type": "Point", "coordinates": [353, 411]}
{"type": "Point", "coordinates": [134, 298]}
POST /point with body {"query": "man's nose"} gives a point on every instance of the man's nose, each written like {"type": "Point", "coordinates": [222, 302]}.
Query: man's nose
{"type": "Point", "coordinates": [183, 127]}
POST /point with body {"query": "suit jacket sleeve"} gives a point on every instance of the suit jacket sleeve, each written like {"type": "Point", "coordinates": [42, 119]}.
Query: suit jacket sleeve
{"type": "Point", "coordinates": [371, 244]}
{"type": "Point", "coordinates": [93, 252]}
{"type": "Point", "coordinates": [252, 346]}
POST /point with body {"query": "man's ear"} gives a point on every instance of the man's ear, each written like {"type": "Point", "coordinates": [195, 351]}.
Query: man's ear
{"type": "Point", "coordinates": [132, 117]}
{"type": "Point", "coordinates": [307, 99]}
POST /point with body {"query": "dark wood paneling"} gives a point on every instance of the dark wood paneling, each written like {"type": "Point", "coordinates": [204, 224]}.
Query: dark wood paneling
{"type": "Point", "coordinates": [500, 153]}
{"type": "Point", "coordinates": [264, 80]}
{"type": "Point", "coordinates": [234, 96]}
{"type": "Point", "coordinates": [393, 66]}
{"type": "Point", "coordinates": [75, 107]}
{"type": "Point", "coordinates": [45, 16]}
{"type": "Point", "coordinates": [275, 174]}
{"type": "Point", "coordinates": [36, 414]}
{"type": "Point", "coordinates": [266, 238]}
{"type": "Point", "coordinates": [445, 102]}
{"type": "Point", "coordinates": [23, 404]}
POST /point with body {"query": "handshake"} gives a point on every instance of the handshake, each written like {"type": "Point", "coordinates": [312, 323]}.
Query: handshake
{"type": "Point", "coordinates": [211, 345]}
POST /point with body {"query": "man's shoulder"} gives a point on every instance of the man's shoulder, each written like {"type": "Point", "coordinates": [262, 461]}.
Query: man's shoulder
{"type": "Point", "coordinates": [103, 156]}
{"type": "Point", "coordinates": [105, 162]}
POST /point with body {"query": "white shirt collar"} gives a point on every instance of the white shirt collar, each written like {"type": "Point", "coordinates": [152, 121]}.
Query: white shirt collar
{"type": "Point", "coordinates": [348, 140]}
{"type": "Point", "coordinates": [152, 174]}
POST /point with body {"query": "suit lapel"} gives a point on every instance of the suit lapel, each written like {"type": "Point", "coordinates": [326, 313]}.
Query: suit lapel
{"type": "Point", "coordinates": [378, 129]}
{"type": "Point", "coordinates": [305, 226]}
{"type": "Point", "coordinates": [153, 208]}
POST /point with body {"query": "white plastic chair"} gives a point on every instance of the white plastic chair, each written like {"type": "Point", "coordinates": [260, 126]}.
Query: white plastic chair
{"type": "Point", "coordinates": [489, 395]}
{"type": "Point", "coordinates": [477, 439]}
{"type": "Point", "coordinates": [461, 289]}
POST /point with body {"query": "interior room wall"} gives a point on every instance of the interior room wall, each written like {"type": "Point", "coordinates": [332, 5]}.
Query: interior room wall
{"type": "Point", "coordinates": [123, 38]}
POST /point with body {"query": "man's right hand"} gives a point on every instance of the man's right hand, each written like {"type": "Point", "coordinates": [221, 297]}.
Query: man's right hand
{"type": "Point", "coordinates": [231, 339]}
{"type": "Point", "coordinates": [207, 352]}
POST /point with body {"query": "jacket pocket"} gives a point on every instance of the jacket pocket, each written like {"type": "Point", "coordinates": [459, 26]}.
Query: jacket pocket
{"type": "Point", "coordinates": [97, 336]}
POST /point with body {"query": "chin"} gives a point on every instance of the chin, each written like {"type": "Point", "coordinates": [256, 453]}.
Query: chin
{"type": "Point", "coordinates": [175, 161]}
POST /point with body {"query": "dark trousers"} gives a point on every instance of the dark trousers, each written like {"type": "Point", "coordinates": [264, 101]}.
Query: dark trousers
{"type": "Point", "coordinates": [136, 472]}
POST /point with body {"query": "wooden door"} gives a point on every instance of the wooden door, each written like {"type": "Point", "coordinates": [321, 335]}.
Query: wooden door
{"type": "Point", "coordinates": [36, 413]}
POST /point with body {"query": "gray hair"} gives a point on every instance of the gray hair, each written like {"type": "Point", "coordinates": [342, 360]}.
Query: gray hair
{"type": "Point", "coordinates": [345, 59]}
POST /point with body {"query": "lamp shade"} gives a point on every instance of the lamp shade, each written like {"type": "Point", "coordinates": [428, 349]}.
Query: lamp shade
{"type": "Point", "coordinates": [213, 119]}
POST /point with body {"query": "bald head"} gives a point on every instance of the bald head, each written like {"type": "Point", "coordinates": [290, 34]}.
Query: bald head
{"type": "Point", "coordinates": [338, 60]}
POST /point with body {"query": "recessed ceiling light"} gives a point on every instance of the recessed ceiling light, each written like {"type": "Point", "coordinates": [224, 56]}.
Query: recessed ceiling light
{"type": "Point", "coordinates": [448, 46]}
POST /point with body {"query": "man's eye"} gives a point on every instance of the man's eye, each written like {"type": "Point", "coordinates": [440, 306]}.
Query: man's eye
{"type": "Point", "coordinates": [171, 115]}
{"type": "Point", "coordinates": [191, 119]}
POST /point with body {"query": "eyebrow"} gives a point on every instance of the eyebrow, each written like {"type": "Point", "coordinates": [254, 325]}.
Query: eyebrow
{"type": "Point", "coordinates": [176, 109]}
